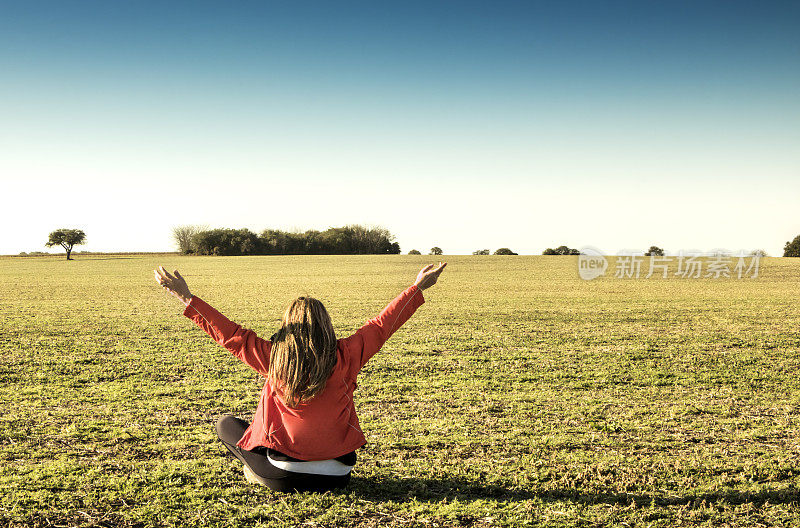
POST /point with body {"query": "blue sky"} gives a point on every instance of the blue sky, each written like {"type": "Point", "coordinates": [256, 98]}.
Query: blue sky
{"type": "Point", "coordinates": [465, 125]}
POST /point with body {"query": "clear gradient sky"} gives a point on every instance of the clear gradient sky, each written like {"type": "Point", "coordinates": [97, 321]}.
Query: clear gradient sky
{"type": "Point", "coordinates": [461, 124]}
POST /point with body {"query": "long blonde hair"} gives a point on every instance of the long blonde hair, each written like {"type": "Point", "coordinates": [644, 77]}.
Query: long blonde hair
{"type": "Point", "coordinates": [303, 351]}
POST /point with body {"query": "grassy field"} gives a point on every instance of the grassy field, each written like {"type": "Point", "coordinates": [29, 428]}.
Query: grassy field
{"type": "Point", "coordinates": [517, 395]}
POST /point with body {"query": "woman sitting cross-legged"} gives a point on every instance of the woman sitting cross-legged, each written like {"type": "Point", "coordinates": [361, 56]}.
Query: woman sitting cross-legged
{"type": "Point", "coordinates": [305, 430]}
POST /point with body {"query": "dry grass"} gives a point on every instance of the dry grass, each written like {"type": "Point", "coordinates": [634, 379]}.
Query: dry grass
{"type": "Point", "coordinates": [518, 395]}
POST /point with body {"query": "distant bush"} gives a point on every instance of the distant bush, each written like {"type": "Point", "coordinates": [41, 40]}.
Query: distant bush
{"type": "Point", "coordinates": [792, 249]}
{"type": "Point", "coordinates": [226, 242]}
{"type": "Point", "coordinates": [481, 252]}
{"type": "Point", "coordinates": [504, 251]}
{"type": "Point", "coordinates": [561, 250]}
{"type": "Point", "coordinates": [654, 251]}
{"type": "Point", "coordinates": [758, 253]}
{"type": "Point", "coordinates": [414, 252]}
{"type": "Point", "coordinates": [347, 240]}
{"type": "Point", "coordinates": [183, 236]}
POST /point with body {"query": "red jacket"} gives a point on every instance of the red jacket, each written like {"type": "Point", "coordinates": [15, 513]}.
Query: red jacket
{"type": "Point", "coordinates": [326, 426]}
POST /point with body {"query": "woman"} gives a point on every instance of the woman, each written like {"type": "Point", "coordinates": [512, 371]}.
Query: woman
{"type": "Point", "coordinates": [305, 430]}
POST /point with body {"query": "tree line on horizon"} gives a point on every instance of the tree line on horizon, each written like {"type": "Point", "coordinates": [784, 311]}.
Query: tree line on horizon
{"type": "Point", "coordinates": [561, 250]}
{"type": "Point", "coordinates": [348, 240]}
{"type": "Point", "coordinates": [351, 239]}
{"type": "Point", "coordinates": [501, 251]}
{"type": "Point", "coordinates": [792, 249]}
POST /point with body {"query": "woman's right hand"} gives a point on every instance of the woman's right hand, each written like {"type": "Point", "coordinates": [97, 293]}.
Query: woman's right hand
{"type": "Point", "coordinates": [176, 284]}
{"type": "Point", "coordinates": [428, 275]}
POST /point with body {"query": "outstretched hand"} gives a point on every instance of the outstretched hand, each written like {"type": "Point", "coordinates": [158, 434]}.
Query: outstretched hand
{"type": "Point", "coordinates": [428, 275]}
{"type": "Point", "coordinates": [176, 284]}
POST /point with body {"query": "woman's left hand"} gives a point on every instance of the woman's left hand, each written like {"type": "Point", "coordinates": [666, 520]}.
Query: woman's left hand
{"type": "Point", "coordinates": [175, 284]}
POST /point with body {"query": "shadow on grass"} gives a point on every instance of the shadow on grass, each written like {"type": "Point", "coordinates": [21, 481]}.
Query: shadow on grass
{"type": "Point", "coordinates": [436, 490]}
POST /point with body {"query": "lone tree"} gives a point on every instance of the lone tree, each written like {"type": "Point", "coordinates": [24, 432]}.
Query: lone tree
{"type": "Point", "coordinates": [792, 249]}
{"type": "Point", "coordinates": [66, 238]}
{"type": "Point", "coordinates": [436, 250]}
{"type": "Point", "coordinates": [481, 252]}
{"type": "Point", "coordinates": [654, 251]}
{"type": "Point", "coordinates": [504, 251]}
{"type": "Point", "coordinates": [414, 252]}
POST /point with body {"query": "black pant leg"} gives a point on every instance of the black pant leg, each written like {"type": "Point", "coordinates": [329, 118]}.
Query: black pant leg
{"type": "Point", "coordinates": [231, 429]}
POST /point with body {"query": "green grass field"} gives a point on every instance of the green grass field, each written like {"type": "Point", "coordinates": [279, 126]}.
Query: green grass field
{"type": "Point", "coordinates": [517, 395]}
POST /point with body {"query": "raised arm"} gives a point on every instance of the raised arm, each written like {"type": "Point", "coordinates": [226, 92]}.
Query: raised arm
{"type": "Point", "coordinates": [368, 339]}
{"type": "Point", "coordinates": [241, 342]}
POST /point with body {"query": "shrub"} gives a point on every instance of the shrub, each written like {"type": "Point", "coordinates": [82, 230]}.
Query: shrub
{"type": "Point", "coordinates": [561, 250]}
{"type": "Point", "coordinates": [792, 249]}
